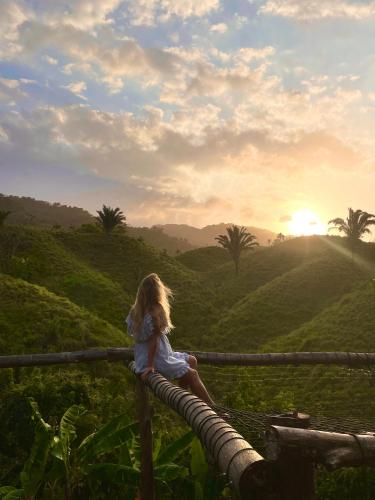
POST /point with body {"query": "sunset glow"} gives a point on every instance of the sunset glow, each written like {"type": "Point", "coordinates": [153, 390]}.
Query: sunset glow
{"type": "Point", "coordinates": [305, 223]}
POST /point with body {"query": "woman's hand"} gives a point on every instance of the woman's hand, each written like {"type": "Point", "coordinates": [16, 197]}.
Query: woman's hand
{"type": "Point", "coordinates": [145, 373]}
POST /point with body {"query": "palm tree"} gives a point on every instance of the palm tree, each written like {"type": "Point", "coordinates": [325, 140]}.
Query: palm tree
{"type": "Point", "coordinates": [356, 224]}
{"type": "Point", "coordinates": [3, 216]}
{"type": "Point", "coordinates": [280, 238]}
{"type": "Point", "coordinates": [237, 240]}
{"type": "Point", "coordinates": [109, 218]}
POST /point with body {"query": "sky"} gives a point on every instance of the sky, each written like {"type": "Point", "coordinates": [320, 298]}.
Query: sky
{"type": "Point", "coordinates": [191, 111]}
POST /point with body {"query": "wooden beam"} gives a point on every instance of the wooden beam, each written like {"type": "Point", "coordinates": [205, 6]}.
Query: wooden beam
{"type": "Point", "coordinates": [359, 359]}
{"type": "Point", "coordinates": [233, 455]}
{"type": "Point", "coordinates": [332, 449]}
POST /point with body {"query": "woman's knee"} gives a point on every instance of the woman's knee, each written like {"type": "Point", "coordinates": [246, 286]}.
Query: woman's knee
{"type": "Point", "coordinates": [190, 376]}
{"type": "Point", "coordinates": [192, 360]}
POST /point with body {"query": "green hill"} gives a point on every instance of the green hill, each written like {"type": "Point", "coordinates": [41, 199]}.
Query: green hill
{"type": "Point", "coordinates": [36, 256]}
{"type": "Point", "coordinates": [204, 259]}
{"type": "Point", "coordinates": [126, 261]}
{"type": "Point", "coordinates": [33, 319]}
{"type": "Point", "coordinates": [260, 267]}
{"type": "Point", "coordinates": [25, 210]}
{"type": "Point", "coordinates": [285, 303]}
{"type": "Point", "coordinates": [347, 325]}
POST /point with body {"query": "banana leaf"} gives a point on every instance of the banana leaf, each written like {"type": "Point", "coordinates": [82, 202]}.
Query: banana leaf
{"type": "Point", "coordinates": [115, 473]}
{"type": "Point", "coordinates": [33, 470]}
{"type": "Point", "coordinates": [175, 449]}
{"type": "Point", "coordinates": [6, 490]}
{"type": "Point", "coordinates": [15, 494]}
{"type": "Point", "coordinates": [67, 430]}
{"type": "Point", "coordinates": [109, 437]}
{"type": "Point", "coordinates": [168, 472]}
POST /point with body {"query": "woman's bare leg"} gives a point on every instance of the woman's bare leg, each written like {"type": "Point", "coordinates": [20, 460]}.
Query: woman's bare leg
{"type": "Point", "coordinates": [193, 363]}
{"type": "Point", "coordinates": [191, 379]}
{"type": "Point", "coordinates": [183, 383]}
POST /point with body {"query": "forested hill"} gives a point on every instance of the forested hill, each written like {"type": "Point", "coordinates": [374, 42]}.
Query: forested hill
{"type": "Point", "coordinates": [25, 210]}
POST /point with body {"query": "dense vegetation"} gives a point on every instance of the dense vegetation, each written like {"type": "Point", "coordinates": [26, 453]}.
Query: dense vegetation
{"type": "Point", "coordinates": [63, 290]}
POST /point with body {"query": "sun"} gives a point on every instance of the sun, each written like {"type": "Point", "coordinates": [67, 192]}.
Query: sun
{"type": "Point", "coordinates": [305, 223]}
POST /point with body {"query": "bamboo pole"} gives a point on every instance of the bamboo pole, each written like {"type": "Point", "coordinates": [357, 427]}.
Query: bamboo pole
{"type": "Point", "coordinates": [234, 456]}
{"type": "Point", "coordinates": [332, 449]}
{"type": "Point", "coordinates": [359, 359]}
{"type": "Point", "coordinates": [147, 486]}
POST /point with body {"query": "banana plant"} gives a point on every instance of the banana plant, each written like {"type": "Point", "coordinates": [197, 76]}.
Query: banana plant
{"type": "Point", "coordinates": [127, 469]}
{"type": "Point", "coordinates": [207, 484]}
{"type": "Point", "coordinates": [58, 466]}
{"type": "Point", "coordinates": [32, 475]}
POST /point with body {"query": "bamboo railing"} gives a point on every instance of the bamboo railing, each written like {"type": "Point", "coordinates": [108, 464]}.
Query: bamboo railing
{"type": "Point", "coordinates": [208, 358]}
{"type": "Point", "coordinates": [234, 456]}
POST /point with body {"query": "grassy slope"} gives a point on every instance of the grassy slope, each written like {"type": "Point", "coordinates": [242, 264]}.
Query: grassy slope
{"type": "Point", "coordinates": [349, 324]}
{"type": "Point", "coordinates": [285, 303]}
{"type": "Point", "coordinates": [32, 319]}
{"type": "Point", "coordinates": [204, 259]}
{"type": "Point", "coordinates": [259, 267]}
{"type": "Point", "coordinates": [39, 258]}
{"type": "Point", "coordinates": [126, 261]}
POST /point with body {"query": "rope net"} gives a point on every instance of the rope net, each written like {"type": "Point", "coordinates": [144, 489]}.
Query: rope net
{"type": "Point", "coordinates": [338, 399]}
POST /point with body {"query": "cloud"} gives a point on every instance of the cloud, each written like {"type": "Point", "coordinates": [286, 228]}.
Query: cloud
{"type": "Point", "coordinates": [50, 60]}
{"type": "Point", "coordinates": [151, 12]}
{"type": "Point", "coordinates": [81, 14]}
{"type": "Point", "coordinates": [77, 88]}
{"type": "Point", "coordinates": [304, 10]}
{"type": "Point", "coordinates": [219, 28]}
{"type": "Point", "coordinates": [125, 59]}
{"type": "Point", "coordinates": [11, 91]}
{"type": "Point", "coordinates": [13, 15]}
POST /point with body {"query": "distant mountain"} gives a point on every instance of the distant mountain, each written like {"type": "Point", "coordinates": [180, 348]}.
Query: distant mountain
{"type": "Point", "coordinates": [206, 235]}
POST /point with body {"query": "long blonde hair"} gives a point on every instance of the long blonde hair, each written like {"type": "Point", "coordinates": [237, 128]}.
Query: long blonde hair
{"type": "Point", "coordinates": [152, 297]}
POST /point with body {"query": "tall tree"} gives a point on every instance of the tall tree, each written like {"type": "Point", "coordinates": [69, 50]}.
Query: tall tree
{"type": "Point", "coordinates": [109, 218]}
{"type": "Point", "coordinates": [356, 224]}
{"type": "Point", "coordinates": [3, 215]}
{"type": "Point", "coordinates": [235, 241]}
{"type": "Point", "coordinates": [280, 238]}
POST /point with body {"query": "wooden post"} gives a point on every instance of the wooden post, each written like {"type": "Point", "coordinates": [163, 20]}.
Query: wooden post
{"type": "Point", "coordinates": [147, 486]}
{"type": "Point", "coordinates": [293, 472]}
